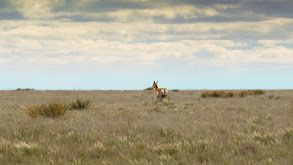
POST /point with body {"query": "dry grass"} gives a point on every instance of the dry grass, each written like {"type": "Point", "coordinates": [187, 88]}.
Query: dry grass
{"type": "Point", "coordinates": [129, 127]}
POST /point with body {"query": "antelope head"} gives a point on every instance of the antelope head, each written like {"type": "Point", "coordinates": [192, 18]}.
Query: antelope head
{"type": "Point", "coordinates": [155, 85]}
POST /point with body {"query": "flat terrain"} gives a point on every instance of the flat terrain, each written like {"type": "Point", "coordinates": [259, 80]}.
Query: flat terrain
{"type": "Point", "coordinates": [128, 127]}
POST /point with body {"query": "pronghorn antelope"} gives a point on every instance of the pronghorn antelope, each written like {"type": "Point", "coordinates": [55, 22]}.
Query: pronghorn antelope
{"type": "Point", "coordinates": [160, 92]}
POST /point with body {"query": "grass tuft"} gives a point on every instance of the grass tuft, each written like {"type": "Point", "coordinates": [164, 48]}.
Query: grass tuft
{"type": "Point", "coordinates": [267, 139]}
{"type": "Point", "coordinates": [80, 104]}
{"type": "Point", "coordinates": [288, 135]}
{"type": "Point", "coordinates": [167, 102]}
{"type": "Point", "coordinates": [52, 110]}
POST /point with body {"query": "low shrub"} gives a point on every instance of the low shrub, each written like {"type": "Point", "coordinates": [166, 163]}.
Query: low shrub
{"type": "Point", "coordinates": [221, 94]}
{"type": "Point", "coordinates": [242, 93]}
{"type": "Point", "coordinates": [204, 94]}
{"type": "Point", "coordinates": [251, 92]}
{"type": "Point", "coordinates": [228, 94]}
{"type": "Point", "coordinates": [52, 110]}
{"type": "Point", "coordinates": [25, 89]}
{"type": "Point", "coordinates": [256, 92]}
{"type": "Point", "coordinates": [175, 90]}
{"type": "Point", "coordinates": [217, 94]}
{"type": "Point", "coordinates": [80, 104]}
{"type": "Point", "coordinates": [148, 88]}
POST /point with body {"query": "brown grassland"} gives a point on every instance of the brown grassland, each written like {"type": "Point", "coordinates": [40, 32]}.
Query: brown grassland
{"type": "Point", "coordinates": [129, 127]}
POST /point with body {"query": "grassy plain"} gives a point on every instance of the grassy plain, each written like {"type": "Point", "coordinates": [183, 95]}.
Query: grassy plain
{"type": "Point", "coordinates": [128, 127]}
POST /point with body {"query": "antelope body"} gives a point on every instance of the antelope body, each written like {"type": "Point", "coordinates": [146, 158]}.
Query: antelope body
{"type": "Point", "coordinates": [160, 92]}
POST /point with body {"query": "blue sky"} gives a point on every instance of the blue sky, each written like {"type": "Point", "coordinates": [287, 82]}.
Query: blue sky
{"type": "Point", "coordinates": [127, 44]}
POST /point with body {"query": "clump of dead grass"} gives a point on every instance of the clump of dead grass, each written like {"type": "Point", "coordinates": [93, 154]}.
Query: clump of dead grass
{"type": "Point", "coordinates": [53, 110]}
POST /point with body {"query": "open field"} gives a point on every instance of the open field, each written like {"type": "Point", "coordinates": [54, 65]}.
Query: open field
{"type": "Point", "coordinates": [127, 127]}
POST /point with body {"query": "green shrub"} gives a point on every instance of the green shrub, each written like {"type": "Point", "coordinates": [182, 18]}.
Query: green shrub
{"type": "Point", "coordinates": [25, 89]}
{"type": "Point", "coordinates": [80, 104]}
{"type": "Point", "coordinates": [251, 92]}
{"type": "Point", "coordinates": [204, 94]}
{"type": "Point", "coordinates": [217, 94]}
{"type": "Point", "coordinates": [175, 90]}
{"type": "Point", "coordinates": [230, 94]}
{"type": "Point", "coordinates": [221, 94]}
{"type": "Point", "coordinates": [227, 94]}
{"type": "Point", "coordinates": [148, 88]}
{"type": "Point", "coordinates": [52, 110]}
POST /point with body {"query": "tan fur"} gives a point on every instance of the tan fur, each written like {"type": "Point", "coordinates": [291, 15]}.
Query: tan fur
{"type": "Point", "coordinates": [160, 92]}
